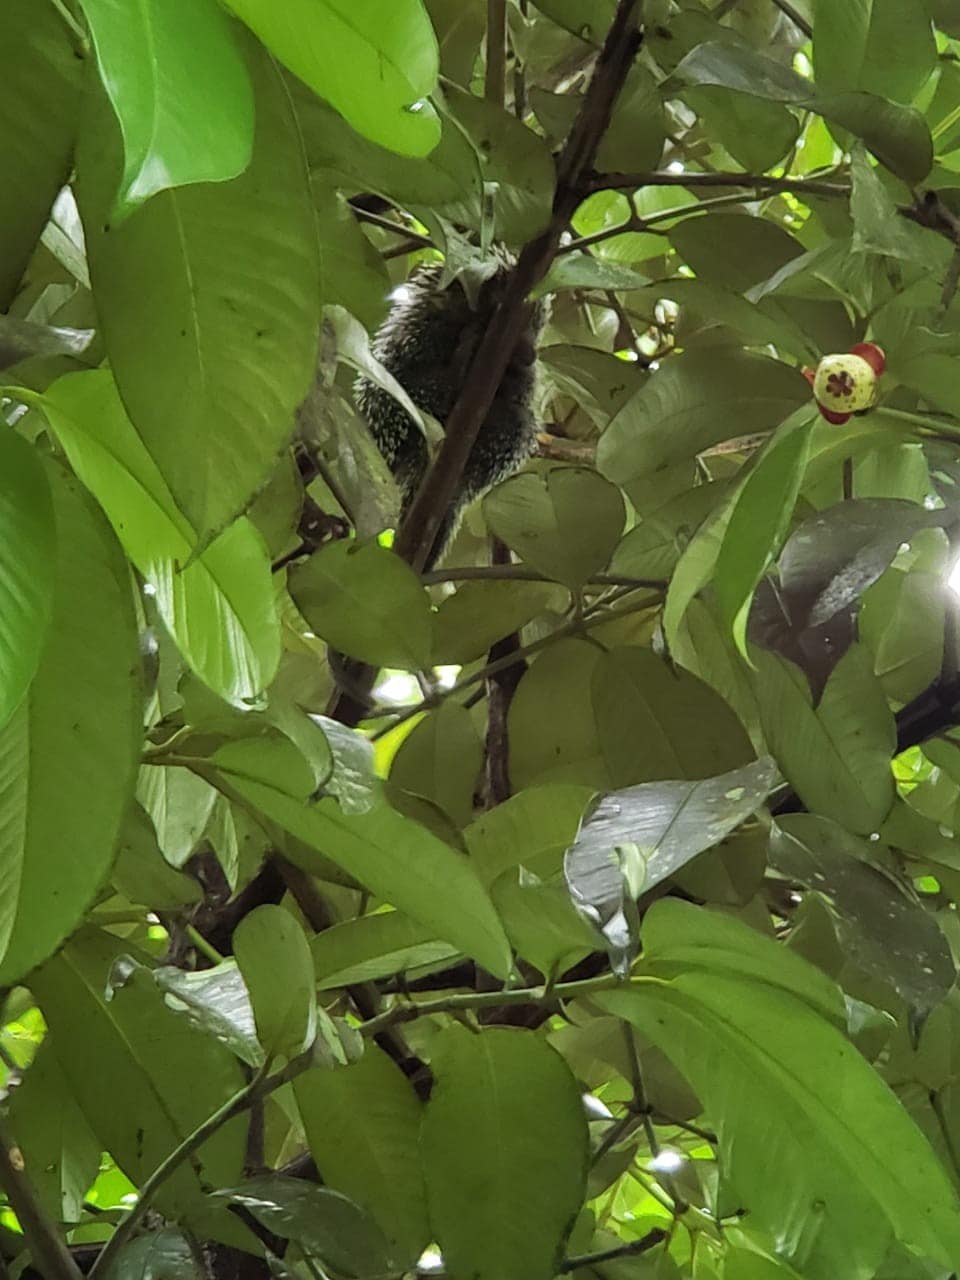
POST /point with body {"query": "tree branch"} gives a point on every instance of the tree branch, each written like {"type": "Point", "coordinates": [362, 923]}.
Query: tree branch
{"type": "Point", "coordinates": [419, 528]}
{"type": "Point", "coordinates": [47, 1249]}
{"type": "Point", "coordinates": [796, 18]}
{"type": "Point", "coordinates": [749, 181]}
{"type": "Point", "coordinates": [631, 1250]}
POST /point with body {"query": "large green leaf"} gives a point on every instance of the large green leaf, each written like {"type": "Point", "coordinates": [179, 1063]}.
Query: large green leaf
{"type": "Point", "coordinates": [656, 722]}
{"type": "Point", "coordinates": [274, 958]}
{"type": "Point", "coordinates": [837, 756]}
{"type": "Point", "coordinates": [442, 760]}
{"type": "Point", "coordinates": [39, 101]}
{"type": "Point", "coordinates": [376, 63]}
{"type": "Point", "coordinates": [695, 400]}
{"type": "Point", "coordinates": [141, 1103]}
{"type": "Point", "coordinates": [533, 829]}
{"type": "Point", "coordinates": [362, 1122]}
{"type": "Point", "coordinates": [61, 1156]}
{"type": "Point", "coordinates": [853, 44]}
{"type": "Point", "coordinates": [208, 302]}
{"type": "Point", "coordinates": [897, 136]}
{"type": "Point", "coordinates": [69, 752]}
{"type": "Point", "coordinates": [365, 601]}
{"type": "Point", "coordinates": [762, 510]}
{"type": "Point", "coordinates": [220, 608]}
{"type": "Point", "coordinates": [398, 860]}
{"type": "Point", "coordinates": [504, 1150]}
{"type": "Point", "coordinates": [177, 81]}
{"type": "Point", "coordinates": [785, 1089]}
{"type": "Point", "coordinates": [565, 523]}
{"type": "Point", "coordinates": [27, 558]}
{"type": "Point", "coordinates": [374, 946]}
{"type": "Point", "coordinates": [468, 622]}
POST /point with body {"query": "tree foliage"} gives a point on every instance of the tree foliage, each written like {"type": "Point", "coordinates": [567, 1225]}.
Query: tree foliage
{"type": "Point", "coordinates": [613, 932]}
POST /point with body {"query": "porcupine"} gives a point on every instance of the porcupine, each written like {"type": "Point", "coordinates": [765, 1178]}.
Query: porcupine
{"type": "Point", "coordinates": [427, 342]}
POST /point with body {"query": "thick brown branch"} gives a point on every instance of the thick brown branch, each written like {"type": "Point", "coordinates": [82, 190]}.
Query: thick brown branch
{"type": "Point", "coordinates": [46, 1248]}
{"type": "Point", "coordinates": [418, 530]}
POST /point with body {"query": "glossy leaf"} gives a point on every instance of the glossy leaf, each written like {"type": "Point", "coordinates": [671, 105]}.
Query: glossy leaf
{"type": "Point", "coordinates": [274, 958]}
{"type": "Point", "coordinates": [27, 557]}
{"type": "Point", "coordinates": [387, 45]}
{"type": "Point", "coordinates": [637, 837]}
{"type": "Point", "coordinates": [226, 592]}
{"type": "Point", "coordinates": [179, 87]}
{"type": "Point", "coordinates": [504, 1179]}
{"type": "Point", "coordinates": [362, 1123]}
{"type": "Point", "coordinates": [68, 754]}
{"type": "Point", "coordinates": [212, 382]}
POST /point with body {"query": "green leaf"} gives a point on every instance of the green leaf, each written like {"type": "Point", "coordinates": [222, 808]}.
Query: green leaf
{"type": "Point", "coordinates": [140, 1103]}
{"type": "Point", "coordinates": [376, 64]}
{"type": "Point", "coordinates": [479, 613]}
{"type": "Point", "coordinates": [352, 273]}
{"type": "Point", "coordinates": [274, 957]}
{"type": "Point", "coordinates": [447, 181]}
{"type": "Point", "coordinates": [179, 86]}
{"type": "Point", "coordinates": [505, 1178]}
{"type": "Point", "coordinates": [221, 609]}
{"type": "Point", "coordinates": [142, 874]}
{"type": "Point", "coordinates": [657, 723]}
{"type": "Point", "coordinates": [756, 133]}
{"type": "Point", "coordinates": [363, 1123]}
{"type": "Point", "coordinates": [61, 1156]}
{"type": "Point", "coordinates": [39, 107]}
{"type": "Point", "coordinates": [734, 250]}
{"type": "Point", "coordinates": [400, 861]}
{"type": "Point", "coordinates": [373, 947]}
{"type": "Point", "coordinates": [680, 938]}
{"type": "Point", "coordinates": [179, 805]}
{"type": "Point", "coordinates": [637, 131]}
{"type": "Point", "coordinates": [213, 366]}
{"type": "Point", "coordinates": [512, 156]}
{"type": "Point", "coordinates": [541, 922]}
{"type": "Point", "coordinates": [533, 829]}
{"type": "Point", "coordinates": [565, 523]}
{"type": "Point", "coordinates": [635, 838]}
{"type": "Point", "coordinates": [28, 555]}
{"type": "Point", "coordinates": [774, 1075]}
{"type": "Point", "coordinates": [853, 44]}
{"type": "Point", "coordinates": [68, 754]}
{"type": "Point", "coordinates": [327, 1227]}
{"type": "Point", "coordinates": [216, 1002]}
{"type": "Point", "coordinates": [882, 927]}
{"type": "Point", "coordinates": [588, 19]}
{"type": "Point", "coordinates": [161, 1255]}
{"type": "Point", "coordinates": [762, 511]}
{"type": "Point", "coordinates": [897, 136]}
{"type": "Point", "coordinates": [877, 224]}
{"type": "Point", "coordinates": [693, 401]}
{"type": "Point", "coordinates": [441, 760]}
{"type": "Point", "coordinates": [837, 757]}
{"type": "Point", "coordinates": [557, 689]}
{"type": "Point", "coordinates": [366, 602]}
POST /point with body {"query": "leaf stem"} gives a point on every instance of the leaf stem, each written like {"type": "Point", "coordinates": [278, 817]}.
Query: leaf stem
{"type": "Point", "coordinates": [687, 178]}
{"type": "Point", "coordinates": [631, 1250]}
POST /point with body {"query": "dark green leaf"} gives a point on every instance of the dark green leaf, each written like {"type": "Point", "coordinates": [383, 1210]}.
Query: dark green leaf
{"type": "Point", "coordinates": [485, 1148]}
{"type": "Point", "coordinates": [362, 1123]}
{"type": "Point", "coordinates": [274, 959]}
{"type": "Point", "coordinates": [853, 44]}
{"type": "Point", "coordinates": [441, 760]}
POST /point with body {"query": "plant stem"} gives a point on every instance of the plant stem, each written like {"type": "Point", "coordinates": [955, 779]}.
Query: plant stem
{"type": "Point", "coordinates": [46, 1247]}
{"type": "Point", "coordinates": [202, 945]}
{"type": "Point", "coordinates": [796, 18]}
{"type": "Point", "coordinates": [522, 573]}
{"type": "Point", "coordinates": [751, 181]}
{"type": "Point", "coordinates": [631, 1250]}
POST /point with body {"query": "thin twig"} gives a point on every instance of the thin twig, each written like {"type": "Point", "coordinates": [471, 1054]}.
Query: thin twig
{"type": "Point", "coordinates": [796, 18]}
{"type": "Point", "coordinates": [688, 178]}
{"type": "Point", "coordinates": [47, 1249]}
{"type": "Point", "coordinates": [632, 1250]}
{"type": "Point", "coordinates": [523, 573]}
{"type": "Point", "coordinates": [388, 224]}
